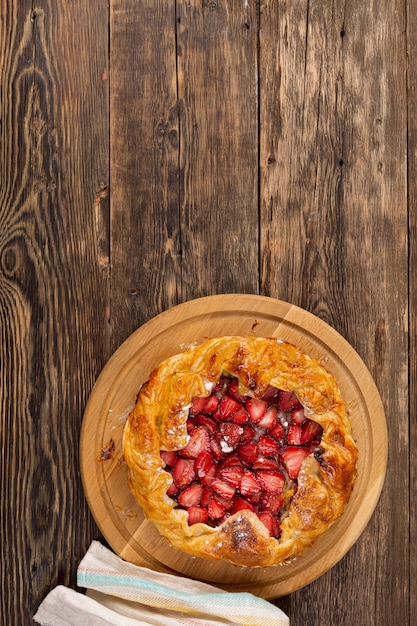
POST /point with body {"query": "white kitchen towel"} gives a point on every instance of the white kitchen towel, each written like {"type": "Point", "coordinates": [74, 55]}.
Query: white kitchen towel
{"type": "Point", "coordinates": [122, 594]}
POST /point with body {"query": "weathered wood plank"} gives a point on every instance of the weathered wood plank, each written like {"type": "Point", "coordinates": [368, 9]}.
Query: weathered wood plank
{"type": "Point", "coordinates": [218, 98]}
{"type": "Point", "coordinates": [52, 307]}
{"type": "Point", "coordinates": [333, 237]}
{"type": "Point", "coordinates": [144, 160]}
{"type": "Point", "coordinates": [184, 155]}
{"type": "Point", "coordinates": [412, 199]}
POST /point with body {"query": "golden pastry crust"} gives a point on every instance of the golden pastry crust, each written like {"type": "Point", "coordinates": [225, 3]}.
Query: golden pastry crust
{"type": "Point", "coordinates": [158, 422]}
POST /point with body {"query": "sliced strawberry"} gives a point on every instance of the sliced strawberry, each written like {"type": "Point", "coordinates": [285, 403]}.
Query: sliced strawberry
{"type": "Point", "coordinates": [233, 390]}
{"type": "Point", "coordinates": [209, 422]}
{"type": "Point", "coordinates": [293, 457]}
{"type": "Point", "coordinates": [169, 457]}
{"type": "Point", "coordinates": [298, 415]}
{"type": "Point", "coordinates": [227, 503]}
{"type": "Point", "coordinates": [256, 409]}
{"type": "Point", "coordinates": [210, 476]}
{"type": "Point", "coordinates": [231, 461]}
{"type": "Point", "coordinates": [241, 504]}
{"type": "Point", "coordinates": [172, 490]}
{"type": "Point", "coordinates": [191, 496]}
{"type": "Point", "coordinates": [240, 417]}
{"type": "Point", "coordinates": [277, 432]}
{"type": "Point", "coordinates": [223, 488]}
{"type": "Point", "coordinates": [263, 463]}
{"type": "Point", "coordinates": [231, 433]}
{"type": "Point", "coordinates": [271, 394]}
{"type": "Point", "coordinates": [268, 421]}
{"type": "Point", "coordinates": [248, 484]}
{"type": "Point", "coordinates": [287, 400]}
{"type": "Point", "coordinates": [191, 424]}
{"type": "Point", "coordinates": [215, 510]}
{"type": "Point", "coordinates": [197, 405]}
{"type": "Point", "coordinates": [294, 434]}
{"type": "Point", "coordinates": [225, 446]}
{"type": "Point", "coordinates": [217, 450]}
{"type": "Point", "coordinates": [205, 467]}
{"type": "Point", "coordinates": [312, 431]}
{"type": "Point", "coordinates": [248, 433]}
{"type": "Point", "coordinates": [255, 498]}
{"type": "Point", "coordinates": [277, 529]}
{"type": "Point", "coordinates": [232, 475]}
{"type": "Point", "coordinates": [223, 519]}
{"type": "Point", "coordinates": [226, 409]}
{"type": "Point", "coordinates": [206, 496]}
{"type": "Point", "coordinates": [199, 442]}
{"type": "Point", "coordinates": [248, 452]}
{"type": "Point", "coordinates": [270, 522]}
{"type": "Point", "coordinates": [197, 515]}
{"type": "Point", "coordinates": [220, 387]}
{"type": "Point", "coordinates": [211, 404]}
{"type": "Point", "coordinates": [267, 446]}
{"type": "Point", "coordinates": [272, 502]}
{"type": "Point", "coordinates": [271, 481]}
{"type": "Point", "coordinates": [183, 473]}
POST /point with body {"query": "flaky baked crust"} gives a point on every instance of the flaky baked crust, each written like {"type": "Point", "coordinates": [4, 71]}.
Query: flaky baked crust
{"type": "Point", "coordinates": [158, 422]}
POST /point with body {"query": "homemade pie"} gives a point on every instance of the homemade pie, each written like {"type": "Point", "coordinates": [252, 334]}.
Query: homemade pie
{"type": "Point", "coordinates": [241, 449]}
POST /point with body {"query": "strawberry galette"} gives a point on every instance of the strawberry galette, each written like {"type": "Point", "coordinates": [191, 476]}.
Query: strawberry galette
{"type": "Point", "coordinates": [240, 448]}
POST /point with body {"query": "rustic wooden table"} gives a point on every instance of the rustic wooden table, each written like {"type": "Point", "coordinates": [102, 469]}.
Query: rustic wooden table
{"type": "Point", "coordinates": [156, 151]}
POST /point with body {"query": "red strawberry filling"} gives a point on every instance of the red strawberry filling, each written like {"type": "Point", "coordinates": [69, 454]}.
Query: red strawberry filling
{"type": "Point", "coordinates": [243, 452]}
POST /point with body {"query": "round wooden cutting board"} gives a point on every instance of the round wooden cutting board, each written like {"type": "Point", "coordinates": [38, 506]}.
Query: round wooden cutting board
{"type": "Point", "coordinates": [104, 471]}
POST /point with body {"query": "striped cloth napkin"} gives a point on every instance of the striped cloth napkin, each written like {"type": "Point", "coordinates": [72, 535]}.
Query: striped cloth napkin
{"type": "Point", "coordinates": [122, 594]}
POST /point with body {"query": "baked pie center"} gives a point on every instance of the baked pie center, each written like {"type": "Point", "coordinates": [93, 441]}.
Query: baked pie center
{"type": "Point", "coordinates": [243, 452]}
